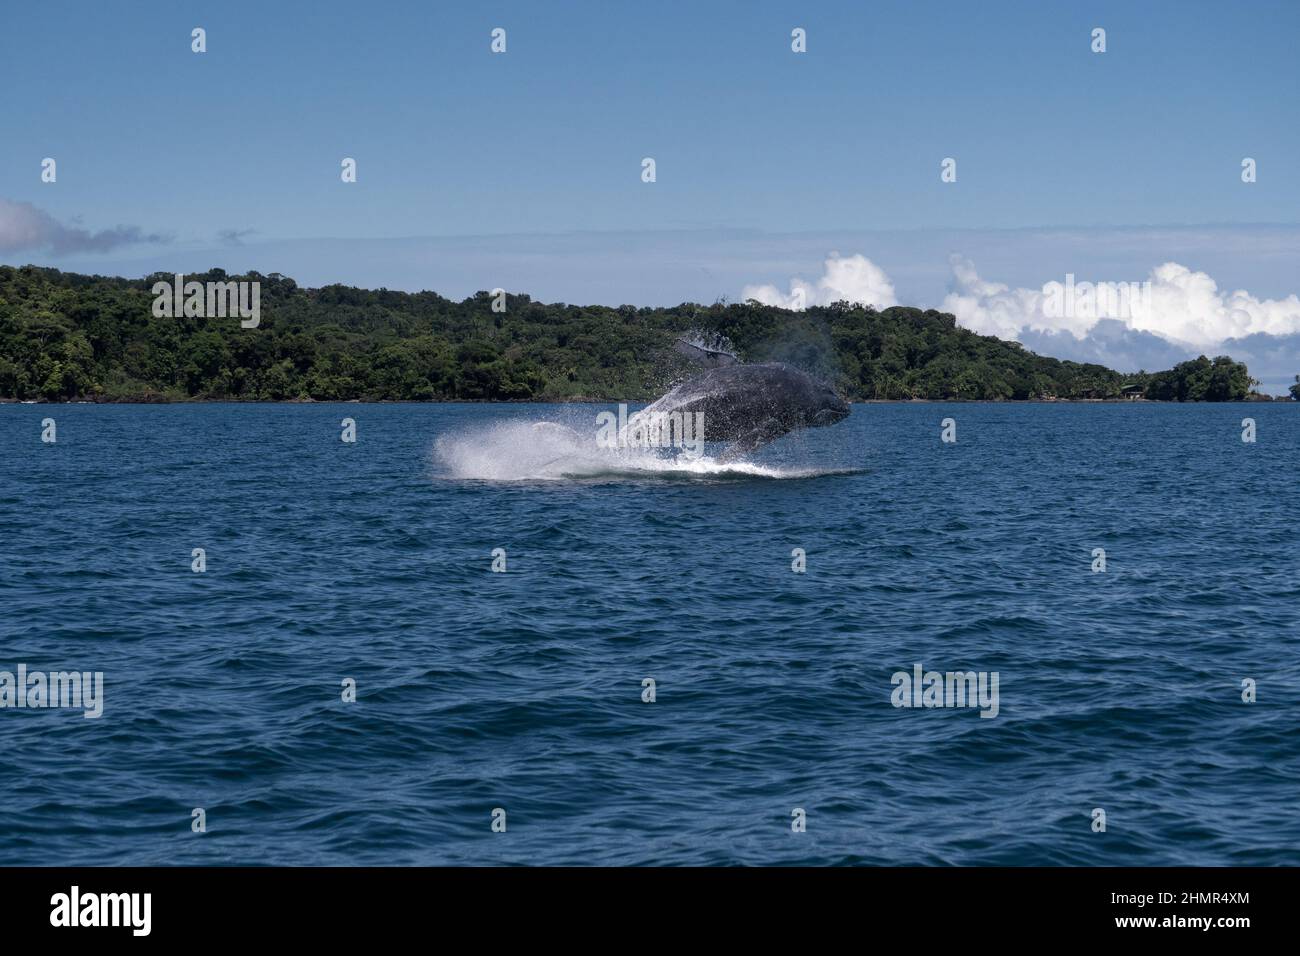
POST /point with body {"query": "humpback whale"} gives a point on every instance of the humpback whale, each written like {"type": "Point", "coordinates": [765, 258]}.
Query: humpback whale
{"type": "Point", "coordinates": [751, 405]}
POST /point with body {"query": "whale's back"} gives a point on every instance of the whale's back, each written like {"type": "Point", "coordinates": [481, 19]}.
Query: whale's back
{"type": "Point", "coordinates": [752, 404]}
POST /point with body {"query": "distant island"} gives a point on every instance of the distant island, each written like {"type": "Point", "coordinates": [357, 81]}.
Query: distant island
{"type": "Point", "coordinates": [70, 337]}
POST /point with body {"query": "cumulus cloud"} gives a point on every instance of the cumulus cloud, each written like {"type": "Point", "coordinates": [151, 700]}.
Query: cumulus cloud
{"type": "Point", "coordinates": [23, 227]}
{"type": "Point", "coordinates": [1177, 314]}
{"type": "Point", "coordinates": [1173, 314]}
{"type": "Point", "coordinates": [1172, 302]}
{"type": "Point", "coordinates": [851, 278]}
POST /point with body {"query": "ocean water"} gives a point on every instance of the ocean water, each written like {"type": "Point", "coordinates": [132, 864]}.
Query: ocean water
{"type": "Point", "coordinates": [1118, 690]}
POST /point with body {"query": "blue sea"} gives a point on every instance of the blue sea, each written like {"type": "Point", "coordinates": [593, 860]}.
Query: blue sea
{"type": "Point", "coordinates": [523, 691]}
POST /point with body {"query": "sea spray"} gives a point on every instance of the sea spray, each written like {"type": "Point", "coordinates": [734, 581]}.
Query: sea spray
{"type": "Point", "coordinates": [550, 451]}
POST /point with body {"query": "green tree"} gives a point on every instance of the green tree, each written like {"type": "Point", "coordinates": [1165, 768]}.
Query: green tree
{"type": "Point", "coordinates": [65, 336]}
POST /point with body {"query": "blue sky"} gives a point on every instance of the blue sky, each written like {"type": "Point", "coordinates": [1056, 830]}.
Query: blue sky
{"type": "Point", "coordinates": [767, 161]}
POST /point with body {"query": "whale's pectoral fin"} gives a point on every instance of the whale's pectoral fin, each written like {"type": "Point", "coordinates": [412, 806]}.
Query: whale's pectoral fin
{"type": "Point", "coordinates": [756, 437]}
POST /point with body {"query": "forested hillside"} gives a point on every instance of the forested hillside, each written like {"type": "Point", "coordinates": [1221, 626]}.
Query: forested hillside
{"type": "Point", "coordinates": [65, 336]}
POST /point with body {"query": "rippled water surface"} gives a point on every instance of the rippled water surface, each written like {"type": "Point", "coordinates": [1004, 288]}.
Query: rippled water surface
{"type": "Point", "coordinates": [1119, 690]}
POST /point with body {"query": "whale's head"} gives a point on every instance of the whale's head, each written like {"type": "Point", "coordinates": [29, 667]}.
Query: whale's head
{"type": "Point", "coordinates": [826, 407]}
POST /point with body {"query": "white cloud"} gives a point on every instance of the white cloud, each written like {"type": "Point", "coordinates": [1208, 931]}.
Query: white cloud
{"type": "Point", "coordinates": [1179, 305]}
{"type": "Point", "coordinates": [1174, 314]}
{"type": "Point", "coordinates": [852, 278]}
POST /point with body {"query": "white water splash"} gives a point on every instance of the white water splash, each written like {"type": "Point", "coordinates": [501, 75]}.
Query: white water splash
{"type": "Point", "coordinates": [548, 451]}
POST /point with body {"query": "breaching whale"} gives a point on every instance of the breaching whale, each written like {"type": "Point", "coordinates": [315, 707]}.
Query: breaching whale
{"type": "Point", "coordinates": [751, 405]}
